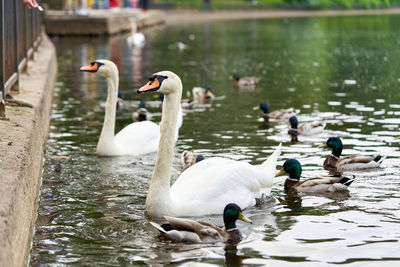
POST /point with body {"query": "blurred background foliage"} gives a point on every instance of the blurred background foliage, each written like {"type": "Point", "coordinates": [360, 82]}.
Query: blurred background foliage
{"type": "Point", "coordinates": [248, 4]}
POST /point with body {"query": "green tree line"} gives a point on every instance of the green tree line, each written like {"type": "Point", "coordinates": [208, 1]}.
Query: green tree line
{"type": "Point", "coordinates": [320, 4]}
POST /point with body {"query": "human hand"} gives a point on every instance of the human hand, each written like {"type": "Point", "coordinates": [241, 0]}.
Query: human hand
{"type": "Point", "coordinates": [31, 3]}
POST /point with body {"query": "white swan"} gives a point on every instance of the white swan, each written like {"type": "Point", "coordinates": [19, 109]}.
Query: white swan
{"type": "Point", "coordinates": [206, 187]}
{"type": "Point", "coordinates": [136, 138]}
{"type": "Point", "coordinates": [136, 38]}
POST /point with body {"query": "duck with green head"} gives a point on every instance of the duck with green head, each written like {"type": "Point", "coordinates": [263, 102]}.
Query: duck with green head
{"type": "Point", "coordinates": [276, 115]}
{"type": "Point", "coordinates": [141, 114]}
{"type": "Point", "coordinates": [314, 185]}
{"type": "Point", "coordinates": [349, 163]}
{"type": "Point", "coordinates": [306, 128]}
{"type": "Point", "coordinates": [187, 230]}
{"type": "Point", "coordinates": [189, 158]}
{"type": "Point", "coordinates": [202, 95]}
{"type": "Point", "coordinates": [245, 82]}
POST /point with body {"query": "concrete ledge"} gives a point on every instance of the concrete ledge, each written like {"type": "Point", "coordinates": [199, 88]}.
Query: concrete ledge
{"type": "Point", "coordinates": [22, 143]}
{"type": "Point", "coordinates": [100, 22]}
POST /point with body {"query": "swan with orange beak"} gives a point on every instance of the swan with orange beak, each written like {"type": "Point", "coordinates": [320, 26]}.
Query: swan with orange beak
{"type": "Point", "coordinates": [134, 139]}
{"type": "Point", "coordinates": [207, 186]}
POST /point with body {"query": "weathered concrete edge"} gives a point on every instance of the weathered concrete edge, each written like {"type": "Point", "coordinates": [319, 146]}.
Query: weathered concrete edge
{"type": "Point", "coordinates": [101, 22]}
{"type": "Point", "coordinates": [21, 164]}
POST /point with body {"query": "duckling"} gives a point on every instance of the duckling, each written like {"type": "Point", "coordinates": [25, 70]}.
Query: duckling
{"type": "Point", "coordinates": [314, 185]}
{"type": "Point", "coordinates": [179, 45]}
{"type": "Point", "coordinates": [202, 95]}
{"type": "Point", "coordinates": [189, 158]}
{"type": "Point", "coordinates": [349, 163]}
{"type": "Point", "coordinates": [141, 114]}
{"type": "Point", "coordinates": [187, 230]}
{"type": "Point", "coordinates": [245, 82]}
{"type": "Point", "coordinates": [277, 115]}
{"type": "Point", "coordinates": [307, 128]}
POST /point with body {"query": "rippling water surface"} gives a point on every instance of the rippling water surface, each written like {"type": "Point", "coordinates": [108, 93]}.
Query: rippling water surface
{"type": "Point", "coordinates": [344, 70]}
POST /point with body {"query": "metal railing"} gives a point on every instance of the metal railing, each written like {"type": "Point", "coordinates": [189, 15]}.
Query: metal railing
{"type": "Point", "coordinates": [20, 34]}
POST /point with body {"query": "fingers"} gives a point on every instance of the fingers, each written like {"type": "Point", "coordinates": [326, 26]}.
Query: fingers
{"type": "Point", "coordinates": [31, 3]}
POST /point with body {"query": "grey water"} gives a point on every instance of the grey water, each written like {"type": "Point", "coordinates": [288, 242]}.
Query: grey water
{"type": "Point", "coordinates": [343, 70]}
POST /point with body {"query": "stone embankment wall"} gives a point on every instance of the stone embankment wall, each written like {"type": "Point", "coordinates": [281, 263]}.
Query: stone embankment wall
{"type": "Point", "coordinates": [22, 143]}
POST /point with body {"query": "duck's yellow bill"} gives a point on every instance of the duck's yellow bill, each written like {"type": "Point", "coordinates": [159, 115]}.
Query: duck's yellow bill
{"type": "Point", "coordinates": [280, 172]}
{"type": "Point", "coordinates": [256, 107]}
{"type": "Point", "coordinates": [397, 137]}
{"type": "Point", "coordinates": [243, 218]}
{"type": "Point", "coordinates": [323, 145]}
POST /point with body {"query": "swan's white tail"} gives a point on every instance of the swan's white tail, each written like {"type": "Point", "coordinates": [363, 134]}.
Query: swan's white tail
{"type": "Point", "coordinates": [269, 166]}
{"type": "Point", "coordinates": [271, 162]}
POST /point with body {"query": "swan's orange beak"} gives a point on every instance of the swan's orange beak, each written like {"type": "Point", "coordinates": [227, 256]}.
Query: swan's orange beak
{"type": "Point", "coordinates": [152, 85]}
{"type": "Point", "coordinates": [93, 67]}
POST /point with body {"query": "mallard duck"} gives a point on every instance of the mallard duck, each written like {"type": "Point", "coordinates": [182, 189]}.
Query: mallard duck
{"type": "Point", "coordinates": [276, 115]}
{"type": "Point", "coordinates": [202, 95]}
{"type": "Point", "coordinates": [189, 158]}
{"type": "Point", "coordinates": [314, 185]}
{"type": "Point", "coordinates": [187, 104]}
{"type": "Point", "coordinates": [141, 114]}
{"type": "Point", "coordinates": [207, 186]}
{"type": "Point", "coordinates": [307, 128]}
{"type": "Point", "coordinates": [245, 82]}
{"type": "Point", "coordinates": [134, 139]}
{"type": "Point", "coordinates": [349, 163]}
{"type": "Point", "coordinates": [120, 102]}
{"type": "Point", "coordinates": [187, 230]}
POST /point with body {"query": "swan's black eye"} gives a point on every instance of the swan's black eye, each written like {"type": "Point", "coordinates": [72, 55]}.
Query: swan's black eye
{"type": "Point", "coordinates": [92, 63]}
{"type": "Point", "coordinates": [151, 79]}
{"type": "Point", "coordinates": [161, 78]}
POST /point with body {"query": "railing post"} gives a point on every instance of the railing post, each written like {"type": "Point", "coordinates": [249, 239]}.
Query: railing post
{"type": "Point", "coordinates": [15, 88]}
{"type": "Point", "coordinates": [2, 80]}
{"type": "Point", "coordinates": [2, 48]}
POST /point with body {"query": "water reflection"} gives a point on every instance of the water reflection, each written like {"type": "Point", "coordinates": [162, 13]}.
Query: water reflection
{"type": "Point", "coordinates": [91, 210]}
{"type": "Point", "coordinates": [232, 259]}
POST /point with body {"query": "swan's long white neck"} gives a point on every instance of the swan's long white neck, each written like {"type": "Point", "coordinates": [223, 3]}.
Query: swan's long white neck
{"type": "Point", "coordinates": [158, 201]}
{"type": "Point", "coordinates": [106, 140]}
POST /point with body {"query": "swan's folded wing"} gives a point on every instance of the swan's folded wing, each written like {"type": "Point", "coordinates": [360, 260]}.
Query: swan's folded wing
{"type": "Point", "coordinates": [139, 137]}
{"type": "Point", "coordinates": [207, 186]}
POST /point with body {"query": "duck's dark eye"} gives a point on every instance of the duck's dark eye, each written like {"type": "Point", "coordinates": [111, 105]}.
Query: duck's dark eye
{"type": "Point", "coordinates": [92, 63]}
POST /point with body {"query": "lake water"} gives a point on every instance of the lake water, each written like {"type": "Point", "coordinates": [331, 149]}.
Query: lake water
{"type": "Point", "coordinates": [343, 70]}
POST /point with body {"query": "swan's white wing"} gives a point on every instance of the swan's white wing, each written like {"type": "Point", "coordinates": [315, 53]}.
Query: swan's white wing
{"type": "Point", "coordinates": [206, 187]}
{"type": "Point", "coordinates": [138, 138]}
